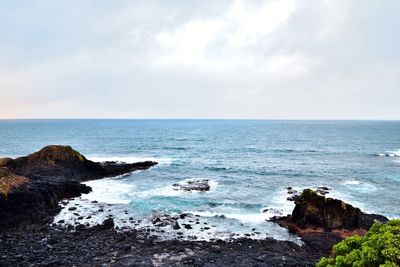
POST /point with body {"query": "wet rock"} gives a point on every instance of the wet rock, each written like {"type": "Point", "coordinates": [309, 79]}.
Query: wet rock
{"type": "Point", "coordinates": [157, 221]}
{"type": "Point", "coordinates": [176, 226]}
{"type": "Point", "coordinates": [322, 190]}
{"type": "Point", "coordinates": [193, 185]}
{"type": "Point", "coordinates": [294, 197]}
{"type": "Point", "coordinates": [107, 224]}
{"type": "Point", "coordinates": [291, 191]}
{"type": "Point", "coordinates": [272, 211]}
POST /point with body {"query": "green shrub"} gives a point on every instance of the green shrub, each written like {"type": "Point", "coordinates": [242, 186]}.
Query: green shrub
{"type": "Point", "coordinates": [379, 247]}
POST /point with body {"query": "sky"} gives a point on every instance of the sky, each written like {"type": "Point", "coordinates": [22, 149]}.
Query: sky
{"type": "Point", "coordinates": [274, 59]}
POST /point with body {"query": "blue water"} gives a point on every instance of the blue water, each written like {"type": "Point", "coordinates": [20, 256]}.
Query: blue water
{"type": "Point", "coordinates": [250, 163]}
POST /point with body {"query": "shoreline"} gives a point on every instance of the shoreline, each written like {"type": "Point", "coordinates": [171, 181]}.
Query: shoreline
{"type": "Point", "coordinates": [33, 187]}
{"type": "Point", "coordinates": [48, 246]}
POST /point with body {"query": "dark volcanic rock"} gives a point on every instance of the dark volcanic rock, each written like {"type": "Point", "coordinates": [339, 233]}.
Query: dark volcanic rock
{"type": "Point", "coordinates": [322, 222]}
{"type": "Point", "coordinates": [367, 220]}
{"type": "Point", "coordinates": [107, 224]}
{"type": "Point", "coordinates": [316, 213]}
{"type": "Point", "coordinates": [5, 161]}
{"type": "Point", "coordinates": [64, 163]}
{"type": "Point", "coordinates": [176, 226]}
{"type": "Point", "coordinates": [193, 185]}
{"type": "Point", "coordinates": [32, 186]}
{"type": "Point", "coordinates": [47, 246]}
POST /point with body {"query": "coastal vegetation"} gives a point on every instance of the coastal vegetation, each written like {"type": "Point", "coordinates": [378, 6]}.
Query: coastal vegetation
{"type": "Point", "coordinates": [379, 247]}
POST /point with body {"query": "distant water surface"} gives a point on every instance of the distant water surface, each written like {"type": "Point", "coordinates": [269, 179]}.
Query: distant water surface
{"type": "Point", "coordinates": [249, 164]}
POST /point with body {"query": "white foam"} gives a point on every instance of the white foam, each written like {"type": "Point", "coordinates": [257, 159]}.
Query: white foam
{"type": "Point", "coordinates": [393, 153]}
{"type": "Point", "coordinates": [254, 218]}
{"type": "Point", "coordinates": [270, 212]}
{"type": "Point", "coordinates": [86, 213]}
{"type": "Point", "coordinates": [131, 159]}
{"type": "Point", "coordinates": [351, 182]}
{"type": "Point", "coordinates": [110, 191]}
{"type": "Point", "coordinates": [280, 202]}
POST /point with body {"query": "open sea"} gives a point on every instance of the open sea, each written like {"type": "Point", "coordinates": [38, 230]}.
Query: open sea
{"type": "Point", "coordinates": [249, 164]}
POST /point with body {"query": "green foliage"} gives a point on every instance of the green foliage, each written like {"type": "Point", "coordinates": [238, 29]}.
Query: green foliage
{"type": "Point", "coordinates": [379, 247]}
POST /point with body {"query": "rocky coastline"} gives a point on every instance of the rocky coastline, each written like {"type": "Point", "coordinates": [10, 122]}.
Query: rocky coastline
{"type": "Point", "coordinates": [31, 188]}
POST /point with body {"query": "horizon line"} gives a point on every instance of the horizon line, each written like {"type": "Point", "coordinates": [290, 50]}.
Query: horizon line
{"type": "Point", "coordinates": [202, 119]}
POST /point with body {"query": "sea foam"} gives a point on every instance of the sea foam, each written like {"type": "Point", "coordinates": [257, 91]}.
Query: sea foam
{"type": "Point", "coordinates": [393, 153]}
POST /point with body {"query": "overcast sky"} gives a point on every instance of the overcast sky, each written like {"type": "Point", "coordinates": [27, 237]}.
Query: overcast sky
{"type": "Point", "coordinates": [286, 59]}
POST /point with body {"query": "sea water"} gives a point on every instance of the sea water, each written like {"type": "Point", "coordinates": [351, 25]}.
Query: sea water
{"type": "Point", "coordinates": [249, 163]}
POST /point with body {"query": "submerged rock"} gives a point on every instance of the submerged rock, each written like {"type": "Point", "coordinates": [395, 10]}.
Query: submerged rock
{"type": "Point", "coordinates": [293, 194]}
{"type": "Point", "coordinates": [322, 190]}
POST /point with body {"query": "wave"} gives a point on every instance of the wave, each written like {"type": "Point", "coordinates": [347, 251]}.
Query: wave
{"type": "Point", "coordinates": [394, 153]}
{"type": "Point", "coordinates": [216, 168]}
{"type": "Point", "coordinates": [242, 171]}
{"type": "Point", "coordinates": [131, 159]}
{"type": "Point", "coordinates": [231, 225]}
{"type": "Point", "coordinates": [175, 148]}
{"type": "Point", "coordinates": [110, 191]}
{"type": "Point", "coordinates": [364, 187]}
{"type": "Point", "coordinates": [351, 182]}
{"type": "Point", "coordinates": [243, 217]}
{"type": "Point", "coordinates": [290, 150]}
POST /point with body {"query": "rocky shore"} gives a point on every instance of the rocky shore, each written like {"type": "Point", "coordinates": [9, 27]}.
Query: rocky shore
{"type": "Point", "coordinates": [31, 188]}
{"type": "Point", "coordinates": [103, 246]}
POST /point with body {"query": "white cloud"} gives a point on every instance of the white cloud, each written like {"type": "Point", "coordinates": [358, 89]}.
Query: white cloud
{"type": "Point", "coordinates": [240, 25]}
{"type": "Point", "coordinates": [251, 24]}
{"type": "Point", "coordinates": [188, 45]}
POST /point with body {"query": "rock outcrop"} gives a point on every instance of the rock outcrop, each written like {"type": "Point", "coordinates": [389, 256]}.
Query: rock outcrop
{"type": "Point", "coordinates": [65, 163]}
{"type": "Point", "coordinates": [317, 213]}
{"type": "Point", "coordinates": [313, 210]}
{"type": "Point", "coordinates": [193, 185]}
{"type": "Point", "coordinates": [32, 186]}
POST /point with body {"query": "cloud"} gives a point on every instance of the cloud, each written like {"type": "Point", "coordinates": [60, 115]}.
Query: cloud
{"type": "Point", "coordinates": [225, 59]}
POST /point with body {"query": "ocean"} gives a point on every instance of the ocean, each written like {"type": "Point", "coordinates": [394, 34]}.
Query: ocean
{"type": "Point", "coordinates": [249, 165]}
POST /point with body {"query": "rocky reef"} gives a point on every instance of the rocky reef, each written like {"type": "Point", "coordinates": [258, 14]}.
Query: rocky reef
{"type": "Point", "coordinates": [32, 186]}
{"type": "Point", "coordinates": [201, 185]}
